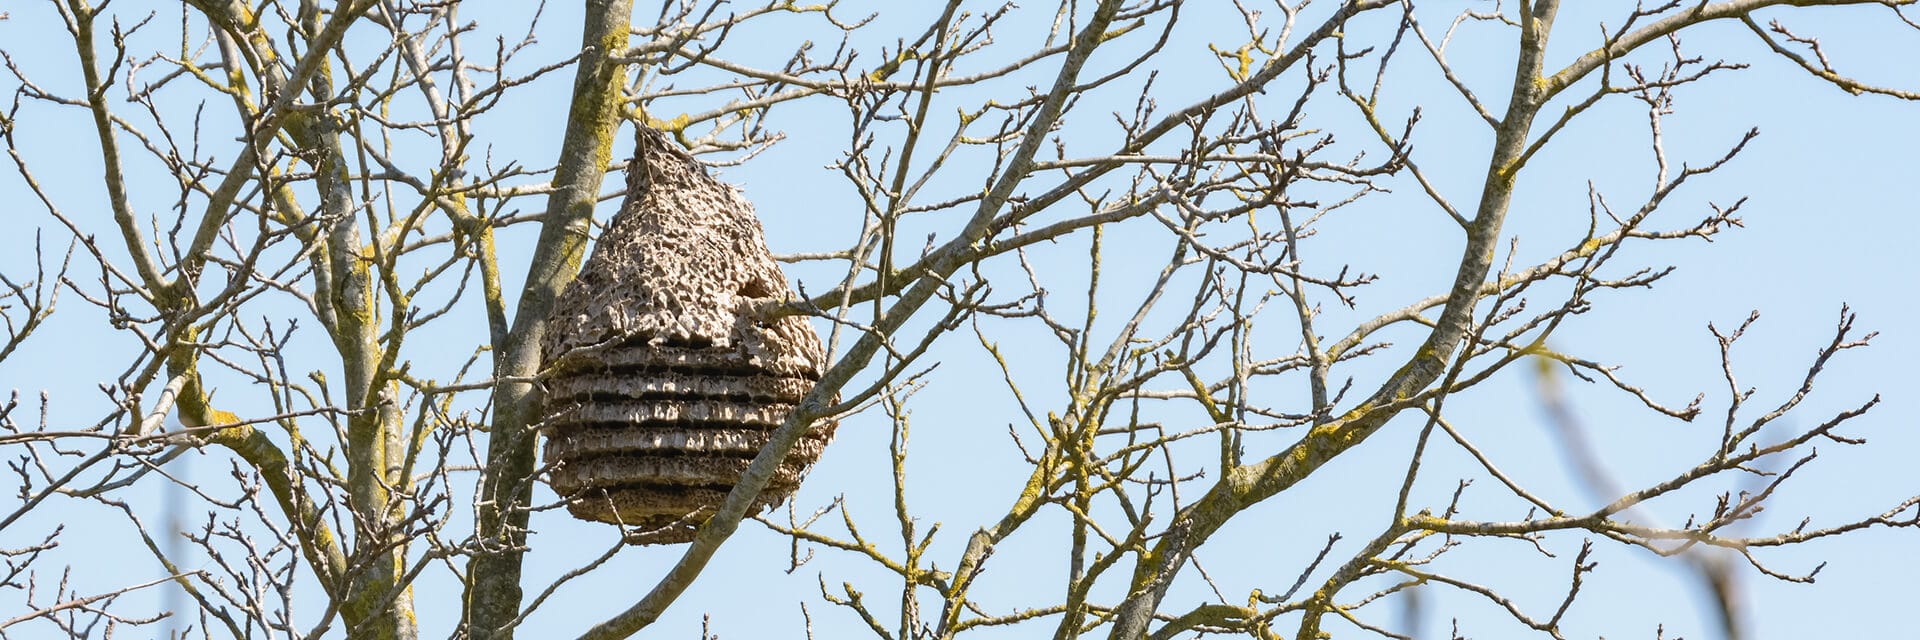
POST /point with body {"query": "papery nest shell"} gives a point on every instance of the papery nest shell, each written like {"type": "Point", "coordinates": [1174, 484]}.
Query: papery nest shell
{"type": "Point", "coordinates": [665, 375]}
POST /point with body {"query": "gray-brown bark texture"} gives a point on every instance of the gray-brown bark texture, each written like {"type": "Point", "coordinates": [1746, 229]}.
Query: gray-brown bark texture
{"type": "Point", "coordinates": [664, 380]}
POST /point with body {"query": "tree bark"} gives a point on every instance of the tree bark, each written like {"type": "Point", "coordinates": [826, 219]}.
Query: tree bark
{"type": "Point", "coordinates": [493, 581]}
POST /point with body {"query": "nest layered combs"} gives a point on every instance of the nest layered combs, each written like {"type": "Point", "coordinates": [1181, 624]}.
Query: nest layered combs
{"type": "Point", "coordinates": [662, 381]}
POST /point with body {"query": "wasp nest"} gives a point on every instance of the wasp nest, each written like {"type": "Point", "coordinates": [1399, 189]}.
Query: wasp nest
{"type": "Point", "coordinates": [663, 382]}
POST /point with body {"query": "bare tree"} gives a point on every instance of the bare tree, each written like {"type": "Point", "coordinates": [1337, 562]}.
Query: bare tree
{"type": "Point", "coordinates": [303, 209]}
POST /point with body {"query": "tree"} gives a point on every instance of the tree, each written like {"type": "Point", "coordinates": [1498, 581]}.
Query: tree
{"type": "Point", "coordinates": [314, 213]}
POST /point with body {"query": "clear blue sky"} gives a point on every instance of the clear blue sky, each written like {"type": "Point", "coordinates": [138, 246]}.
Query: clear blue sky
{"type": "Point", "coordinates": [1830, 220]}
